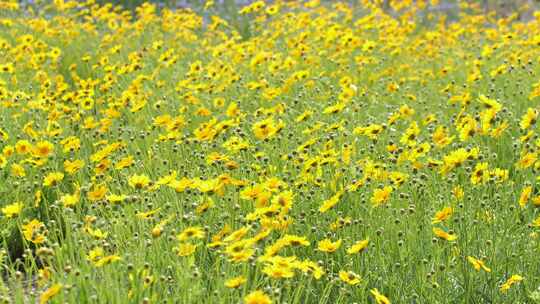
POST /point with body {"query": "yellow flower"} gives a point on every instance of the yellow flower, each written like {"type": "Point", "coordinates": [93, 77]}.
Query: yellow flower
{"type": "Point", "coordinates": [308, 266]}
{"type": "Point", "coordinates": [87, 103]}
{"type": "Point", "coordinates": [3, 161]}
{"type": "Point", "coordinates": [98, 192]}
{"type": "Point", "coordinates": [211, 185]}
{"type": "Point", "coordinates": [124, 163]}
{"type": "Point", "coordinates": [536, 222]}
{"type": "Point", "coordinates": [191, 232]}
{"type": "Point", "coordinates": [3, 136]}
{"type": "Point", "coordinates": [528, 119]}
{"type": "Point", "coordinates": [147, 214]}
{"type": "Point", "coordinates": [284, 200]}
{"type": "Point", "coordinates": [334, 109]}
{"type": "Point", "coordinates": [8, 151]}
{"type": "Point", "coordinates": [18, 170]}
{"type": "Point", "coordinates": [480, 174]}
{"type": "Point", "coordinates": [185, 249]}
{"type": "Point", "coordinates": [440, 137]}
{"type": "Point", "coordinates": [71, 144]}
{"type": "Point", "coordinates": [32, 231]}
{"type": "Point", "coordinates": [13, 210]}
{"type": "Point", "coordinates": [265, 128]}
{"type": "Point", "coordinates": [379, 298]}
{"type": "Point", "coordinates": [72, 167]}
{"type": "Point", "coordinates": [327, 245]}
{"type": "Point", "coordinates": [349, 277]}
{"type": "Point", "coordinates": [95, 254]}
{"type": "Point", "coordinates": [98, 234]}
{"type": "Point", "coordinates": [52, 179]}
{"type": "Point", "coordinates": [23, 147]}
{"type": "Point", "coordinates": [237, 234]}
{"type": "Point", "coordinates": [278, 271]}
{"type": "Point", "coordinates": [514, 279]}
{"type": "Point", "coordinates": [444, 235]}
{"type": "Point", "coordinates": [331, 202]}
{"type": "Point", "coordinates": [488, 103]}
{"type": "Point", "coordinates": [478, 264]}
{"type": "Point", "coordinates": [458, 192]}
{"type": "Point", "coordinates": [358, 247]}
{"type": "Point", "coordinates": [43, 149]}
{"type": "Point", "coordinates": [107, 260]}
{"type": "Point", "coordinates": [232, 110]}
{"type": "Point", "coordinates": [44, 274]}
{"type": "Point", "coordinates": [235, 282]}
{"type": "Point", "coordinates": [380, 196]}
{"type": "Point", "coordinates": [525, 195]}
{"type": "Point", "coordinates": [115, 198]}
{"type": "Point", "coordinates": [527, 160]}
{"type": "Point", "coordinates": [181, 185]}
{"type": "Point", "coordinates": [295, 240]}
{"type": "Point", "coordinates": [50, 293]}
{"type": "Point", "coordinates": [139, 181]}
{"type": "Point", "coordinates": [442, 215]}
{"type": "Point", "coordinates": [257, 297]}
{"type": "Point", "coordinates": [241, 256]}
{"type": "Point", "coordinates": [38, 196]}
{"type": "Point", "coordinates": [409, 137]}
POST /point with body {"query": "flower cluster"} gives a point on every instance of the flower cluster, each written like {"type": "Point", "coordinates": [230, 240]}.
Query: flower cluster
{"type": "Point", "coordinates": [300, 152]}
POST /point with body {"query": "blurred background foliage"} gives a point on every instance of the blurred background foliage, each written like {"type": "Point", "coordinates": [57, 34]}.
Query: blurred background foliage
{"type": "Point", "coordinates": [229, 9]}
{"type": "Point", "coordinates": [502, 7]}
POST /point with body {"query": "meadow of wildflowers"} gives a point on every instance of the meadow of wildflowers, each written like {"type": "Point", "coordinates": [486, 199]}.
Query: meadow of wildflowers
{"type": "Point", "coordinates": [323, 152]}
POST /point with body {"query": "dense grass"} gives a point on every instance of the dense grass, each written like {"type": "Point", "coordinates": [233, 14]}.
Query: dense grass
{"type": "Point", "coordinates": [315, 153]}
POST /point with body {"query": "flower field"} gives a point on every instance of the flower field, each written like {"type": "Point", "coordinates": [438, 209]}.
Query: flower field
{"type": "Point", "coordinates": [300, 152]}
